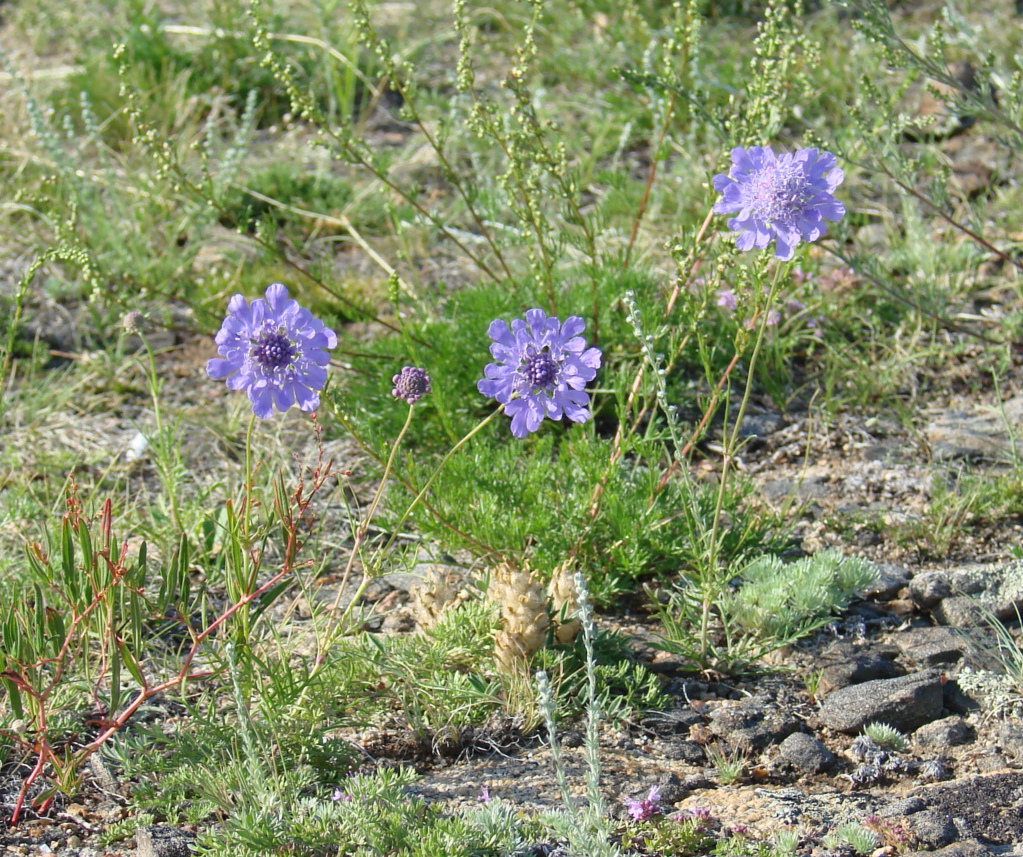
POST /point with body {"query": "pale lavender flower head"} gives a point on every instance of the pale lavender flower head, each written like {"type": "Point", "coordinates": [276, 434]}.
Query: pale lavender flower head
{"type": "Point", "coordinates": [643, 809]}
{"type": "Point", "coordinates": [727, 299]}
{"type": "Point", "coordinates": [411, 384]}
{"type": "Point", "coordinates": [785, 198]}
{"type": "Point", "coordinates": [274, 350]}
{"type": "Point", "coordinates": [542, 369]}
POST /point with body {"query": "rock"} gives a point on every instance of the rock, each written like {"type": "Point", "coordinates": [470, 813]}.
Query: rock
{"type": "Point", "coordinates": [970, 848]}
{"type": "Point", "coordinates": [943, 734]}
{"type": "Point", "coordinates": [778, 489]}
{"type": "Point", "coordinates": [905, 703]}
{"type": "Point", "coordinates": [672, 788]}
{"type": "Point", "coordinates": [161, 840]}
{"type": "Point", "coordinates": [900, 808]}
{"type": "Point", "coordinates": [806, 753]}
{"type": "Point", "coordinates": [398, 622]}
{"type": "Point", "coordinates": [1010, 739]}
{"type": "Point", "coordinates": [930, 587]}
{"type": "Point", "coordinates": [987, 804]}
{"type": "Point", "coordinates": [685, 751]}
{"type": "Point", "coordinates": [982, 434]}
{"type": "Point", "coordinates": [930, 647]}
{"type": "Point", "coordinates": [753, 724]}
{"type": "Point", "coordinates": [669, 723]}
{"type": "Point", "coordinates": [847, 664]}
{"type": "Point", "coordinates": [933, 828]}
{"type": "Point", "coordinates": [990, 761]}
{"type": "Point", "coordinates": [888, 583]}
{"type": "Point", "coordinates": [759, 426]}
{"type": "Point", "coordinates": [960, 611]}
{"type": "Point", "coordinates": [396, 581]}
{"type": "Point", "coordinates": [957, 700]}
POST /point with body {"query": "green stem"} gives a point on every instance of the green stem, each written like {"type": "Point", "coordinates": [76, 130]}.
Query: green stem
{"type": "Point", "coordinates": [730, 445]}
{"type": "Point", "coordinates": [368, 572]}
{"type": "Point", "coordinates": [360, 534]}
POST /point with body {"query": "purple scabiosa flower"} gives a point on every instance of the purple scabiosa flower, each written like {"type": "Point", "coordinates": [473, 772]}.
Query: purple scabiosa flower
{"type": "Point", "coordinates": [411, 384]}
{"type": "Point", "coordinates": [542, 368]}
{"type": "Point", "coordinates": [274, 350]}
{"type": "Point", "coordinates": [785, 198]}
{"type": "Point", "coordinates": [727, 299]}
{"type": "Point", "coordinates": [641, 810]}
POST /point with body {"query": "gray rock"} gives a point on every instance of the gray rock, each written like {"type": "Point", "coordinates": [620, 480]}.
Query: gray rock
{"type": "Point", "coordinates": [983, 434]}
{"type": "Point", "coordinates": [900, 808]}
{"type": "Point", "coordinates": [930, 587]}
{"type": "Point", "coordinates": [398, 622]}
{"type": "Point", "coordinates": [957, 700]}
{"type": "Point", "coordinates": [806, 753]}
{"type": "Point", "coordinates": [943, 734]}
{"type": "Point", "coordinates": [161, 840]}
{"type": "Point", "coordinates": [685, 751]}
{"type": "Point", "coordinates": [970, 848]}
{"type": "Point", "coordinates": [847, 664]}
{"type": "Point", "coordinates": [983, 806]}
{"type": "Point", "coordinates": [991, 762]}
{"type": "Point", "coordinates": [778, 489]}
{"type": "Point", "coordinates": [888, 583]}
{"type": "Point", "coordinates": [960, 611]}
{"type": "Point", "coordinates": [1010, 739]}
{"type": "Point", "coordinates": [753, 724]}
{"type": "Point", "coordinates": [907, 703]}
{"type": "Point", "coordinates": [759, 426]}
{"type": "Point", "coordinates": [672, 788]}
{"type": "Point", "coordinates": [932, 646]}
{"type": "Point", "coordinates": [933, 828]}
{"type": "Point", "coordinates": [676, 722]}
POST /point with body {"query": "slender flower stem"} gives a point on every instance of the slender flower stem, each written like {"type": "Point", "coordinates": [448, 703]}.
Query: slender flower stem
{"type": "Point", "coordinates": [247, 499]}
{"type": "Point", "coordinates": [360, 535]}
{"type": "Point", "coordinates": [435, 474]}
{"type": "Point", "coordinates": [731, 443]}
{"type": "Point", "coordinates": [368, 573]}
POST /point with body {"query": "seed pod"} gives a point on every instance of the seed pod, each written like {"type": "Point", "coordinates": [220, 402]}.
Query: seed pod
{"type": "Point", "coordinates": [564, 604]}
{"type": "Point", "coordinates": [524, 619]}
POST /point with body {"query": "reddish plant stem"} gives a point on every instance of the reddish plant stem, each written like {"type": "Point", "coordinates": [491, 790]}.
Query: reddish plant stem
{"type": "Point", "coordinates": [42, 746]}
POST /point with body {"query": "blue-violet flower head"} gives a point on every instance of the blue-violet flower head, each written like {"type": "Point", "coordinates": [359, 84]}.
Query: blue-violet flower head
{"type": "Point", "coordinates": [411, 384]}
{"type": "Point", "coordinates": [785, 198]}
{"type": "Point", "coordinates": [274, 350]}
{"type": "Point", "coordinates": [543, 366]}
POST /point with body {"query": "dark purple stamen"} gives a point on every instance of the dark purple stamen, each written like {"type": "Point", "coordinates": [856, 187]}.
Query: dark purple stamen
{"type": "Point", "coordinates": [273, 350]}
{"type": "Point", "coordinates": [540, 370]}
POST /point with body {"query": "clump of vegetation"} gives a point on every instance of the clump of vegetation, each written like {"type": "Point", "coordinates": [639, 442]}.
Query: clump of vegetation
{"type": "Point", "coordinates": [503, 283]}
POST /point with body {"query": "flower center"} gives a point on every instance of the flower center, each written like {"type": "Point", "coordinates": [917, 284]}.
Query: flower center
{"type": "Point", "coordinates": [273, 350]}
{"type": "Point", "coordinates": [777, 192]}
{"type": "Point", "coordinates": [540, 370]}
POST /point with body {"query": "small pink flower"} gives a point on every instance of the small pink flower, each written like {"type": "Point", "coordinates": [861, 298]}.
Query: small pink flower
{"type": "Point", "coordinates": [641, 810]}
